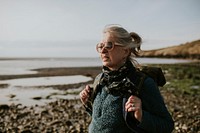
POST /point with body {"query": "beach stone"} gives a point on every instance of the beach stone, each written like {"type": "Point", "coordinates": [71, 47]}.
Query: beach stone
{"type": "Point", "coordinates": [26, 131]}
{"type": "Point", "coordinates": [37, 98]}
{"type": "Point", "coordinates": [4, 107]}
{"type": "Point", "coordinates": [11, 96]}
{"type": "Point", "coordinates": [4, 86]}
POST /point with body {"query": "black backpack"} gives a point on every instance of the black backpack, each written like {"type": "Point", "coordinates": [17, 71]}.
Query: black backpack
{"type": "Point", "coordinates": [154, 72]}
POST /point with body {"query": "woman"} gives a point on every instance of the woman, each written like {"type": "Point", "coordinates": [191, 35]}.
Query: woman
{"type": "Point", "coordinates": [112, 111]}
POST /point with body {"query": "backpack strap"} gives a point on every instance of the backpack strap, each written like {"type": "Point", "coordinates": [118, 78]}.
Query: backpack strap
{"type": "Point", "coordinates": [93, 93]}
{"type": "Point", "coordinates": [138, 79]}
{"type": "Point", "coordinates": [95, 86]}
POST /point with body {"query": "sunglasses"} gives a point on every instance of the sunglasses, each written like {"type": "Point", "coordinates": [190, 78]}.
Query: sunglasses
{"type": "Point", "coordinates": [109, 46]}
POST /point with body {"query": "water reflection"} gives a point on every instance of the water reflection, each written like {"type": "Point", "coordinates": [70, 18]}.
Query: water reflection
{"type": "Point", "coordinates": [24, 91]}
{"type": "Point", "coordinates": [46, 81]}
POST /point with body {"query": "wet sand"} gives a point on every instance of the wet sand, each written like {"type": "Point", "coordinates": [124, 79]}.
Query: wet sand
{"type": "Point", "coordinates": [69, 115]}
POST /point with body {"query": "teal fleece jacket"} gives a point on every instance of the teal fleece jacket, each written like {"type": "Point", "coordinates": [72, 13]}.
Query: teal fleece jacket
{"type": "Point", "coordinates": [109, 114]}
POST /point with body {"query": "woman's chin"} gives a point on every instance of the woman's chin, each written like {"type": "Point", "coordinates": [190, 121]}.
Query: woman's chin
{"type": "Point", "coordinates": [106, 63]}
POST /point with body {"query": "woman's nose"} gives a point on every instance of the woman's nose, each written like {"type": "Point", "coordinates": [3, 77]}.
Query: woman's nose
{"type": "Point", "coordinates": [104, 50]}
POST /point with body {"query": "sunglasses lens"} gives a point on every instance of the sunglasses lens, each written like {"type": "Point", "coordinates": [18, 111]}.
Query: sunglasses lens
{"type": "Point", "coordinates": [99, 47]}
{"type": "Point", "coordinates": [108, 46]}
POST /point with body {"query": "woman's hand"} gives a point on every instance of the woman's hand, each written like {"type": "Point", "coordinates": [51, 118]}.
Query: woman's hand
{"type": "Point", "coordinates": [134, 105]}
{"type": "Point", "coordinates": [84, 94]}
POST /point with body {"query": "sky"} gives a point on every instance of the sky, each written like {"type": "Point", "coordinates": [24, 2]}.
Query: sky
{"type": "Point", "coordinates": [72, 28]}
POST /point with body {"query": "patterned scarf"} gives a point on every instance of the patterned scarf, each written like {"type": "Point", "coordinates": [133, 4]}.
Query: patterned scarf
{"type": "Point", "coordinates": [117, 82]}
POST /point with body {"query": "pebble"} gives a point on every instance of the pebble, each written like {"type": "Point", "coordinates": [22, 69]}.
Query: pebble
{"type": "Point", "coordinates": [58, 116]}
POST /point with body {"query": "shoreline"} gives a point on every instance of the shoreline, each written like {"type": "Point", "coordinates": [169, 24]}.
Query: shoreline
{"type": "Point", "coordinates": [60, 71]}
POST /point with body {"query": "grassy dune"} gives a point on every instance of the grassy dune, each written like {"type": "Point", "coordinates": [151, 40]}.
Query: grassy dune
{"type": "Point", "coordinates": [189, 50]}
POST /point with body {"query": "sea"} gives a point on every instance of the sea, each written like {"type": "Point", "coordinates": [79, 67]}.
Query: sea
{"type": "Point", "coordinates": [25, 65]}
{"type": "Point", "coordinates": [25, 91]}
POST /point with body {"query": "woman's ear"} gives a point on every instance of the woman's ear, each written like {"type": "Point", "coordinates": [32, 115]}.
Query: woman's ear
{"type": "Point", "coordinates": [127, 52]}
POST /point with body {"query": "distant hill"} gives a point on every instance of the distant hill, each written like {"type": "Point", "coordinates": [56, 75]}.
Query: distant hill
{"type": "Point", "coordinates": [189, 50]}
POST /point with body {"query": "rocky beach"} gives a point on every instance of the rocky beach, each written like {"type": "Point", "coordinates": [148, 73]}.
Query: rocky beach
{"type": "Point", "coordinates": [181, 95]}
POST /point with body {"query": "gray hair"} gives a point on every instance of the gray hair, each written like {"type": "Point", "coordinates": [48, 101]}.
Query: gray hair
{"type": "Point", "coordinates": [129, 40]}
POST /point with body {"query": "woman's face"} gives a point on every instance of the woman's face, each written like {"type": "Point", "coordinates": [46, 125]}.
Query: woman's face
{"type": "Point", "coordinates": [115, 58]}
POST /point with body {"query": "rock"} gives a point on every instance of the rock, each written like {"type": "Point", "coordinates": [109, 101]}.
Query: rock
{"type": "Point", "coordinates": [4, 107]}
{"type": "Point", "coordinates": [37, 98]}
{"type": "Point", "coordinates": [11, 96]}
